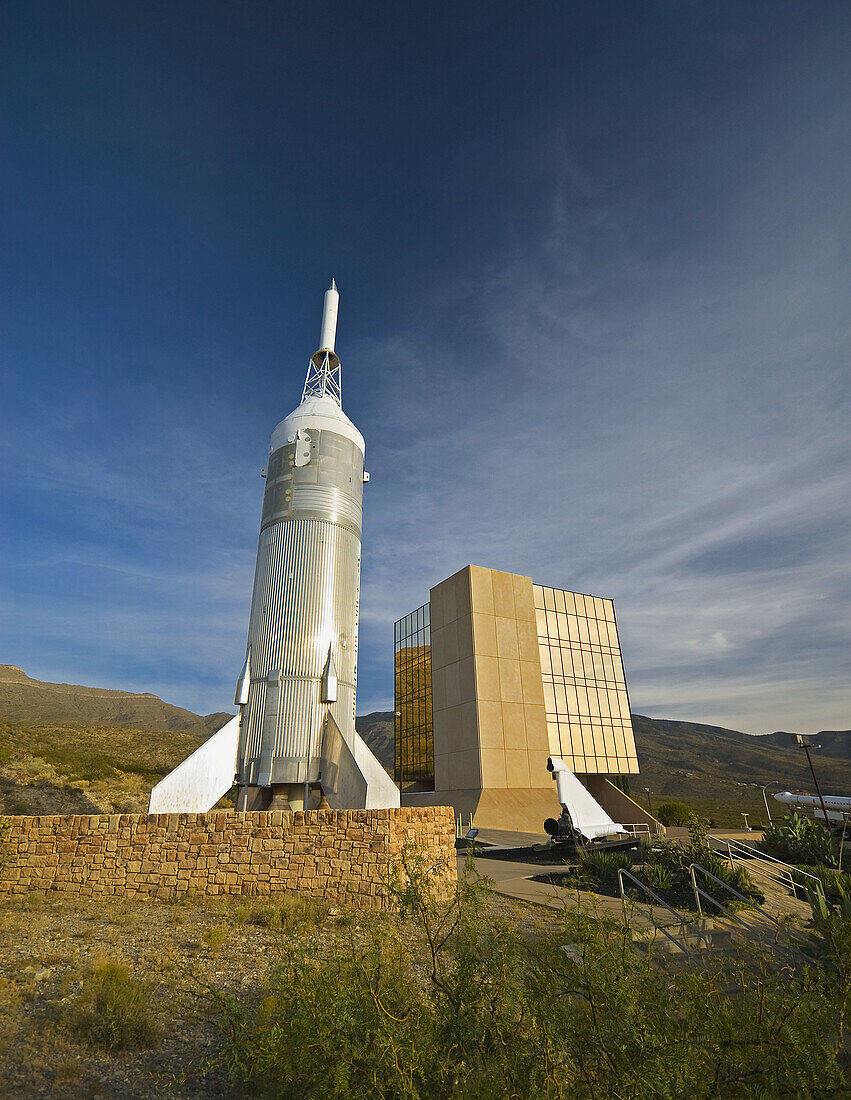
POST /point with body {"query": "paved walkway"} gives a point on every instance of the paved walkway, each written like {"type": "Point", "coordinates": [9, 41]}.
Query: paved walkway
{"type": "Point", "coordinates": [516, 880]}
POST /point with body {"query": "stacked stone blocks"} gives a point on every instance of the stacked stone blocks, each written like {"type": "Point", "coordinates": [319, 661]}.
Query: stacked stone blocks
{"type": "Point", "coordinates": [339, 856]}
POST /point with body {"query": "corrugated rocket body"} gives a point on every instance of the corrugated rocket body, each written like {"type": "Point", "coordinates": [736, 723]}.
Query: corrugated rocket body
{"type": "Point", "coordinates": [305, 601]}
{"type": "Point", "coordinates": [298, 725]}
{"type": "Point", "coordinates": [296, 691]}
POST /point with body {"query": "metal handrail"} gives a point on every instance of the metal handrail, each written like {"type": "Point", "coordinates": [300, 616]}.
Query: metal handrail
{"type": "Point", "coordinates": [640, 827]}
{"type": "Point", "coordinates": [785, 871]}
{"type": "Point", "coordinates": [633, 829]}
{"type": "Point", "coordinates": [698, 893]}
{"type": "Point", "coordinates": [643, 886]}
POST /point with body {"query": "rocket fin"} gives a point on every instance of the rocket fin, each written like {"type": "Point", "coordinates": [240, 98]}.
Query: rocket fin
{"type": "Point", "coordinates": [199, 781]}
{"type": "Point", "coordinates": [587, 814]}
{"type": "Point", "coordinates": [244, 683]}
{"type": "Point", "coordinates": [329, 680]}
{"type": "Point", "coordinates": [351, 776]}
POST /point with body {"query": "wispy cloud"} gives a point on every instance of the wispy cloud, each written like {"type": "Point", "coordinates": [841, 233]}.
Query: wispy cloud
{"type": "Point", "coordinates": [671, 431]}
{"type": "Point", "coordinates": [620, 364]}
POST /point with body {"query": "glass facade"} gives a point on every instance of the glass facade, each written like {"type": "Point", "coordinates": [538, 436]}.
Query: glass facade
{"type": "Point", "coordinates": [414, 763]}
{"type": "Point", "coordinates": [585, 696]}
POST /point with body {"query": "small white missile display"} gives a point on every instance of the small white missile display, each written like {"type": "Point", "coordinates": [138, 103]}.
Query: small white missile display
{"type": "Point", "coordinates": [297, 744]}
{"type": "Point", "coordinates": [838, 807]}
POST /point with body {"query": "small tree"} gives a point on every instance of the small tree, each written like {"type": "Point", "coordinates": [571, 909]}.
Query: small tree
{"type": "Point", "coordinates": [675, 813]}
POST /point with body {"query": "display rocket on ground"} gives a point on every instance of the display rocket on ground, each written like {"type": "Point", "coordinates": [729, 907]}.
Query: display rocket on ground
{"type": "Point", "coordinates": [293, 743]}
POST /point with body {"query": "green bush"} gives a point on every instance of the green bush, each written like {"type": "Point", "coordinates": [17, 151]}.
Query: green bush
{"type": "Point", "coordinates": [670, 861]}
{"type": "Point", "coordinates": [800, 840]}
{"type": "Point", "coordinates": [674, 813]}
{"type": "Point", "coordinates": [112, 1010]}
{"type": "Point", "coordinates": [215, 938]}
{"type": "Point", "coordinates": [670, 855]}
{"type": "Point", "coordinates": [464, 1007]}
{"type": "Point", "coordinates": [736, 877]}
{"type": "Point", "coordinates": [604, 866]}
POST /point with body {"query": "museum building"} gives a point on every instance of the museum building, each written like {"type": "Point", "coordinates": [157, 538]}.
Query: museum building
{"type": "Point", "coordinates": [493, 676]}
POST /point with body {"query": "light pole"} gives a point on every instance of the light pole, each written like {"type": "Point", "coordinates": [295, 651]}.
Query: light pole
{"type": "Point", "coordinates": [805, 743]}
{"type": "Point", "coordinates": [649, 801]}
{"type": "Point", "coordinates": [770, 783]}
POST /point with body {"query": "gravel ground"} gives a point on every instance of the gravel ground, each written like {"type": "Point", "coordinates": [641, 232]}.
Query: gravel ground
{"type": "Point", "coordinates": [49, 945]}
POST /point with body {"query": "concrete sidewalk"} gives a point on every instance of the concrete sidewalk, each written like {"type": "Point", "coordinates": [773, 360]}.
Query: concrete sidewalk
{"type": "Point", "coordinates": [516, 880]}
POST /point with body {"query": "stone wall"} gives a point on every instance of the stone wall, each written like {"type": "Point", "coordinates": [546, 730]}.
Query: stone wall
{"type": "Point", "coordinates": [341, 856]}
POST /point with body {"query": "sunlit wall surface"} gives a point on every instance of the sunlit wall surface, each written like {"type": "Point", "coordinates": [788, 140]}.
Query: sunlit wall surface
{"type": "Point", "coordinates": [585, 694]}
{"type": "Point", "coordinates": [414, 762]}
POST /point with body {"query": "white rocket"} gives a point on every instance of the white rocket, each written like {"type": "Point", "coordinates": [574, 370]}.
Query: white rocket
{"type": "Point", "coordinates": [294, 740]}
{"type": "Point", "coordinates": [838, 807]}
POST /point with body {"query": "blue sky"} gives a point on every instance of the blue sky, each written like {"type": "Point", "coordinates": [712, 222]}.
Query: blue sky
{"type": "Point", "coordinates": [594, 324]}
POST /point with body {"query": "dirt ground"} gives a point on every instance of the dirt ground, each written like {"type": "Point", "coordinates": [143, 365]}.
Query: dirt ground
{"type": "Point", "coordinates": [50, 944]}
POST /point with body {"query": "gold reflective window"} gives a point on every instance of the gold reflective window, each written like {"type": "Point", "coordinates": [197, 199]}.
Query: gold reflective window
{"type": "Point", "coordinates": [584, 686]}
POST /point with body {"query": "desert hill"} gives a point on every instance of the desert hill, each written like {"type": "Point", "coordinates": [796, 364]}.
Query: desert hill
{"type": "Point", "coordinates": [711, 768]}
{"type": "Point", "coordinates": [377, 729]}
{"type": "Point", "coordinates": [835, 743]}
{"type": "Point", "coordinates": [37, 702]}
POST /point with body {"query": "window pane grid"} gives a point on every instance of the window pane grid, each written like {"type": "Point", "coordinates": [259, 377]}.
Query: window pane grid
{"type": "Point", "coordinates": [414, 741]}
{"type": "Point", "coordinates": [584, 685]}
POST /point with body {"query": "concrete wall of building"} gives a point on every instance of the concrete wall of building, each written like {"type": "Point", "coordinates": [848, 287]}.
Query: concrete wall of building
{"type": "Point", "coordinates": [517, 809]}
{"type": "Point", "coordinates": [340, 856]}
{"type": "Point", "coordinates": [490, 731]}
{"type": "Point", "coordinates": [619, 806]}
{"type": "Point", "coordinates": [456, 747]}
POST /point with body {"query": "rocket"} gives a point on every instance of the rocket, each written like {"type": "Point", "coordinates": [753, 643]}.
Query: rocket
{"type": "Point", "coordinates": [293, 744]}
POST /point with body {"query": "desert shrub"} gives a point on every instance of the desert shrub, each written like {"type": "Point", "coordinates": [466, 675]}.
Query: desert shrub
{"type": "Point", "coordinates": [290, 913]}
{"type": "Point", "coordinates": [241, 913]}
{"type": "Point", "coordinates": [112, 1010]}
{"type": "Point", "coordinates": [735, 876]}
{"type": "Point", "coordinates": [215, 938]}
{"type": "Point", "coordinates": [674, 813]}
{"type": "Point", "coordinates": [670, 855]}
{"type": "Point", "coordinates": [830, 940]}
{"type": "Point", "coordinates": [469, 1008]}
{"type": "Point", "coordinates": [803, 840]}
{"type": "Point", "coordinates": [835, 883]}
{"type": "Point", "coordinates": [671, 862]}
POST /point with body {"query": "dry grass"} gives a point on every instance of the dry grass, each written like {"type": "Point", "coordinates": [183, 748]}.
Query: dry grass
{"type": "Point", "coordinates": [51, 946]}
{"type": "Point", "coordinates": [84, 769]}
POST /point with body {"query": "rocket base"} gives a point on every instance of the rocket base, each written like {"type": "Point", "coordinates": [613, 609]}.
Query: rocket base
{"type": "Point", "coordinates": [280, 796]}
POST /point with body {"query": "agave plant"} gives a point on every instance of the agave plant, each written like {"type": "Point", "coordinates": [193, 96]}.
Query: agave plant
{"type": "Point", "coordinates": [657, 877]}
{"type": "Point", "coordinates": [830, 939]}
{"type": "Point", "coordinates": [604, 866]}
{"type": "Point", "coordinates": [800, 840]}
